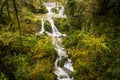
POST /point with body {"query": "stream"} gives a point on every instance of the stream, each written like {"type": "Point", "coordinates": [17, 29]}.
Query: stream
{"type": "Point", "coordinates": [64, 72]}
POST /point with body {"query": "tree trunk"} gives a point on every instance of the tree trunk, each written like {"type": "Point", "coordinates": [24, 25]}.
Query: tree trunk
{"type": "Point", "coordinates": [3, 4]}
{"type": "Point", "coordinates": [7, 6]}
{"type": "Point", "coordinates": [16, 13]}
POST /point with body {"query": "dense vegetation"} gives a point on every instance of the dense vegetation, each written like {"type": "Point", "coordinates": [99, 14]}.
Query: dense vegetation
{"type": "Point", "coordinates": [93, 41]}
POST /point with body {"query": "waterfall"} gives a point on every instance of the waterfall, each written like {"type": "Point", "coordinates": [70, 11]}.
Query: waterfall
{"type": "Point", "coordinates": [64, 72]}
{"type": "Point", "coordinates": [42, 29]}
{"type": "Point", "coordinates": [61, 12]}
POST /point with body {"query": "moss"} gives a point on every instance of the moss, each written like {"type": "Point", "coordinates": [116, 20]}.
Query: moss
{"type": "Point", "coordinates": [55, 10]}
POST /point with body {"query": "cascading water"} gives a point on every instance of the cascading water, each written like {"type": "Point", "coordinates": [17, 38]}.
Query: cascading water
{"type": "Point", "coordinates": [64, 72]}
{"type": "Point", "coordinates": [42, 29]}
{"type": "Point", "coordinates": [61, 12]}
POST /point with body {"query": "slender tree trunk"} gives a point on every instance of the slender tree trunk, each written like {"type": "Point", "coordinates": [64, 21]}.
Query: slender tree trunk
{"type": "Point", "coordinates": [16, 13]}
{"type": "Point", "coordinates": [7, 6]}
{"type": "Point", "coordinates": [3, 4]}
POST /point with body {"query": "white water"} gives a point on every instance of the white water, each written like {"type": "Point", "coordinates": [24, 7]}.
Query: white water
{"type": "Point", "coordinates": [42, 29]}
{"type": "Point", "coordinates": [61, 12]}
{"type": "Point", "coordinates": [65, 72]}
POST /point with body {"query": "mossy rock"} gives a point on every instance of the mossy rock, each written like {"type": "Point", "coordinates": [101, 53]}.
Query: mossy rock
{"type": "Point", "coordinates": [55, 10]}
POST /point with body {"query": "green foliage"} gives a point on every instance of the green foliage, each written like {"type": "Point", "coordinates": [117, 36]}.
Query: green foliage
{"type": "Point", "coordinates": [55, 10]}
{"type": "Point", "coordinates": [35, 6]}
{"type": "Point", "coordinates": [70, 7]}
{"type": "Point", "coordinates": [29, 61]}
{"type": "Point", "coordinates": [85, 43]}
{"type": "Point", "coordinates": [3, 77]}
{"type": "Point", "coordinates": [7, 37]}
{"type": "Point", "coordinates": [43, 48]}
{"type": "Point", "coordinates": [45, 55]}
{"type": "Point", "coordinates": [47, 26]}
{"type": "Point", "coordinates": [62, 24]}
{"type": "Point", "coordinates": [94, 56]}
{"type": "Point", "coordinates": [41, 70]}
{"type": "Point", "coordinates": [18, 63]}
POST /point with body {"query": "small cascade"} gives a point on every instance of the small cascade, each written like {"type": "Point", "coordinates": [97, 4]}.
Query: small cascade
{"type": "Point", "coordinates": [49, 6]}
{"type": "Point", "coordinates": [54, 29]}
{"type": "Point", "coordinates": [42, 29]}
{"type": "Point", "coordinates": [49, 10]}
{"type": "Point", "coordinates": [64, 72]}
{"type": "Point", "coordinates": [61, 12]}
